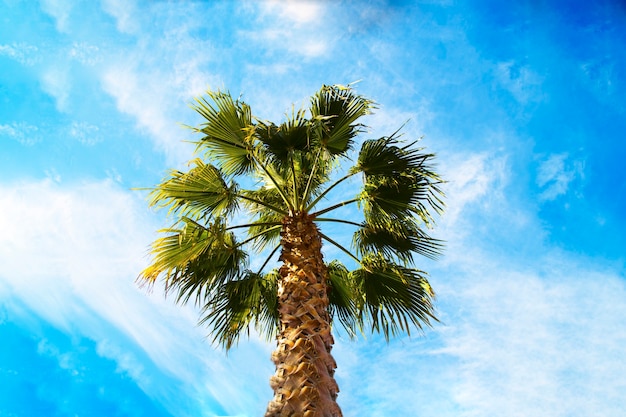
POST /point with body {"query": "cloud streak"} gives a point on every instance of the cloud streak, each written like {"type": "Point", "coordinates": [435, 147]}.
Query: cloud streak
{"type": "Point", "coordinates": [554, 176]}
{"type": "Point", "coordinates": [538, 341]}
{"type": "Point", "coordinates": [84, 244]}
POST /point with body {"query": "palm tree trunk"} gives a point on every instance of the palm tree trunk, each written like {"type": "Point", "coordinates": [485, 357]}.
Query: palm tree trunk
{"type": "Point", "coordinates": [303, 384]}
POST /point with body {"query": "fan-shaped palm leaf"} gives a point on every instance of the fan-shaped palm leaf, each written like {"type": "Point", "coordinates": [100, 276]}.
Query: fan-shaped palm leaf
{"type": "Point", "coordinates": [401, 238]}
{"type": "Point", "coordinates": [238, 303]}
{"type": "Point", "coordinates": [335, 112]}
{"type": "Point", "coordinates": [200, 192]}
{"type": "Point", "coordinates": [226, 132]}
{"type": "Point", "coordinates": [392, 296]}
{"type": "Point", "coordinates": [342, 297]}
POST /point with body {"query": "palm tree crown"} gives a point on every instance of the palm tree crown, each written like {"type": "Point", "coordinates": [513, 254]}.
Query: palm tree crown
{"type": "Point", "coordinates": [276, 223]}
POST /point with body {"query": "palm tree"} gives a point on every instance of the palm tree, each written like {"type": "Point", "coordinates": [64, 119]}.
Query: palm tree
{"type": "Point", "coordinates": [257, 189]}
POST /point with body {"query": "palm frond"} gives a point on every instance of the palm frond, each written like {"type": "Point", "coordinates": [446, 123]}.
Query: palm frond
{"type": "Point", "coordinates": [195, 259]}
{"type": "Point", "coordinates": [238, 304]}
{"type": "Point", "coordinates": [264, 228]}
{"type": "Point", "coordinates": [384, 157]}
{"type": "Point", "coordinates": [428, 194]}
{"type": "Point", "coordinates": [339, 246]}
{"type": "Point", "coordinates": [291, 136]}
{"type": "Point", "coordinates": [392, 297]}
{"type": "Point", "coordinates": [398, 239]}
{"type": "Point", "coordinates": [335, 111]}
{"type": "Point", "coordinates": [227, 139]}
{"type": "Point", "coordinates": [265, 201]}
{"type": "Point", "coordinates": [276, 178]}
{"type": "Point", "coordinates": [342, 297]}
{"type": "Point", "coordinates": [391, 198]}
{"type": "Point", "coordinates": [201, 192]}
{"type": "Point", "coordinates": [399, 180]}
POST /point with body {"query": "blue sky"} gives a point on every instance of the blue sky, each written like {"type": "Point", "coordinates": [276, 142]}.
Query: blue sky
{"type": "Point", "coordinates": [523, 103]}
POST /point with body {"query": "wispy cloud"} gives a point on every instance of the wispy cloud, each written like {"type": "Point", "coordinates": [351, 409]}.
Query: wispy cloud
{"type": "Point", "coordinates": [475, 187]}
{"type": "Point", "coordinates": [125, 14]}
{"type": "Point", "coordinates": [555, 174]}
{"type": "Point", "coordinates": [538, 340]}
{"type": "Point", "coordinates": [60, 10]}
{"type": "Point", "coordinates": [56, 82]}
{"type": "Point", "coordinates": [85, 53]}
{"type": "Point", "coordinates": [84, 244]}
{"type": "Point", "coordinates": [298, 12]}
{"type": "Point", "coordinates": [520, 80]}
{"type": "Point", "coordinates": [156, 92]}
{"type": "Point", "coordinates": [22, 52]}
{"type": "Point", "coordinates": [293, 27]}
{"type": "Point", "coordinates": [85, 133]}
{"type": "Point", "coordinates": [24, 133]}
{"type": "Point", "coordinates": [154, 108]}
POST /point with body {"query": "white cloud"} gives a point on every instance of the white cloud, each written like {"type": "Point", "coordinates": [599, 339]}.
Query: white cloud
{"type": "Point", "coordinates": [298, 12]}
{"type": "Point", "coordinates": [85, 53]}
{"type": "Point", "coordinates": [124, 12]}
{"type": "Point", "coordinates": [66, 233]}
{"type": "Point", "coordinates": [85, 133]}
{"type": "Point", "coordinates": [24, 133]}
{"type": "Point", "coordinates": [520, 80]}
{"type": "Point", "coordinates": [555, 176]}
{"type": "Point", "coordinates": [23, 53]}
{"type": "Point", "coordinates": [56, 82]}
{"type": "Point", "coordinates": [544, 340]}
{"type": "Point", "coordinates": [83, 245]}
{"type": "Point", "coordinates": [297, 27]}
{"type": "Point", "coordinates": [472, 179]}
{"type": "Point", "coordinates": [151, 107]}
{"type": "Point", "coordinates": [307, 45]}
{"type": "Point", "coordinates": [156, 79]}
{"type": "Point", "coordinates": [60, 10]}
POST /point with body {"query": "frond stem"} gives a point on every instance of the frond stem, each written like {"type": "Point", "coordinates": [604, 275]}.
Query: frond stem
{"type": "Point", "coordinates": [240, 226]}
{"type": "Point", "coordinates": [261, 203]}
{"type": "Point", "coordinates": [278, 188]}
{"type": "Point", "coordinates": [307, 189]}
{"type": "Point", "coordinates": [267, 260]}
{"type": "Point", "coordinates": [336, 206]}
{"type": "Point", "coordinates": [339, 181]}
{"type": "Point", "coordinates": [324, 219]}
{"type": "Point", "coordinates": [258, 234]}
{"type": "Point", "coordinates": [347, 252]}
{"type": "Point", "coordinates": [295, 183]}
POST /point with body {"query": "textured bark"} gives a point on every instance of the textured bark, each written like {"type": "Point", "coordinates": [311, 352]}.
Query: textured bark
{"type": "Point", "coordinates": [304, 385]}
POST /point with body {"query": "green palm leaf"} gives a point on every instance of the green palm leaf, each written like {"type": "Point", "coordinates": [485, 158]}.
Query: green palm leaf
{"type": "Point", "coordinates": [384, 157]}
{"type": "Point", "coordinates": [237, 304]}
{"type": "Point", "coordinates": [194, 259]}
{"type": "Point", "coordinates": [399, 181]}
{"type": "Point", "coordinates": [388, 198]}
{"type": "Point", "coordinates": [227, 139]}
{"type": "Point", "coordinates": [281, 141]}
{"type": "Point", "coordinates": [401, 238]}
{"type": "Point", "coordinates": [342, 297]}
{"type": "Point", "coordinates": [335, 111]}
{"type": "Point", "coordinates": [200, 192]}
{"type": "Point", "coordinates": [392, 296]}
{"type": "Point", "coordinates": [264, 230]}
